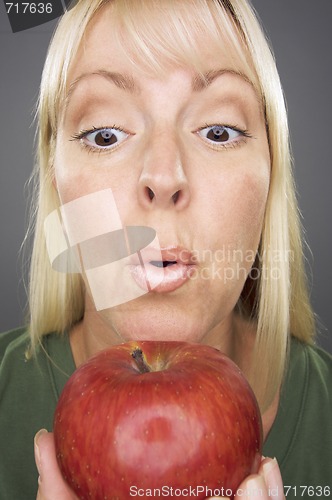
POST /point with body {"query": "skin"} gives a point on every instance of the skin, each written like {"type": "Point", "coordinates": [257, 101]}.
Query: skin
{"type": "Point", "coordinates": [221, 192]}
{"type": "Point", "coordinates": [221, 188]}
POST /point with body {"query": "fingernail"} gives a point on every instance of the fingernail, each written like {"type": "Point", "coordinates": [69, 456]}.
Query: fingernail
{"type": "Point", "coordinates": [37, 450]}
{"type": "Point", "coordinates": [254, 488]}
{"type": "Point", "coordinates": [272, 478]}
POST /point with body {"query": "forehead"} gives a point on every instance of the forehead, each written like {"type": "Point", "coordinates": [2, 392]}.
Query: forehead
{"type": "Point", "coordinates": [153, 41]}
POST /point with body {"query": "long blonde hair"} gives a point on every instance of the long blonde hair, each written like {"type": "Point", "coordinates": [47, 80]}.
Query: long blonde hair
{"type": "Point", "coordinates": [278, 306]}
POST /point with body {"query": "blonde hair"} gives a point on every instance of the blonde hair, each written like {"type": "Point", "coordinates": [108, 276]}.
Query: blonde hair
{"type": "Point", "coordinates": [278, 306]}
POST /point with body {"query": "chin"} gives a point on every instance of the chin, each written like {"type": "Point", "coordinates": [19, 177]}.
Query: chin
{"type": "Point", "coordinates": [156, 323]}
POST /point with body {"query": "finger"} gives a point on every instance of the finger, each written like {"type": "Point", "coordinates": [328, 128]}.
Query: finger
{"type": "Point", "coordinates": [51, 484]}
{"type": "Point", "coordinates": [251, 488]}
{"type": "Point", "coordinates": [269, 469]}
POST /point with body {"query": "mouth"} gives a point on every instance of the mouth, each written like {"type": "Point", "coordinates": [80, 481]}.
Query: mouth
{"type": "Point", "coordinates": [162, 270]}
{"type": "Point", "coordinates": [162, 263]}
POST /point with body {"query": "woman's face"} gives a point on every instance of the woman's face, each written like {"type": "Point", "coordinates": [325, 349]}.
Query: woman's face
{"type": "Point", "coordinates": [185, 157]}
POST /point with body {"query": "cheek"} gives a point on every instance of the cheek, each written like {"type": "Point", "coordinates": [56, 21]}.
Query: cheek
{"type": "Point", "coordinates": [250, 202]}
{"type": "Point", "coordinates": [74, 177]}
{"type": "Point", "coordinates": [66, 176]}
{"type": "Point", "coordinates": [72, 181]}
{"type": "Point", "coordinates": [236, 206]}
{"type": "Point", "coordinates": [77, 175]}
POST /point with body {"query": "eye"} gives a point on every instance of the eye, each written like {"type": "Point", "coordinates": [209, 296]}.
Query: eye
{"type": "Point", "coordinates": [221, 134]}
{"type": "Point", "coordinates": [106, 137]}
{"type": "Point", "coordinates": [102, 138]}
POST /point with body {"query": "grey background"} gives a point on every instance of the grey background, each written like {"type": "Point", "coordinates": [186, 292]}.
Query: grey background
{"type": "Point", "coordinates": [300, 31]}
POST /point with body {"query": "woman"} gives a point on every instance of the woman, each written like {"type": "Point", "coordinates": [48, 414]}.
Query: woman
{"type": "Point", "coordinates": [163, 124]}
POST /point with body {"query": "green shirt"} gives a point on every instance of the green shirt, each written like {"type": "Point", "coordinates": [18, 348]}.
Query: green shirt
{"type": "Point", "coordinates": [301, 436]}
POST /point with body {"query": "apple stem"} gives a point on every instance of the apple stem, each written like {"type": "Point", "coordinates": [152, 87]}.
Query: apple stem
{"type": "Point", "coordinates": [137, 354]}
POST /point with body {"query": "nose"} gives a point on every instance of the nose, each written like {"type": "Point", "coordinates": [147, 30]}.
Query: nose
{"type": "Point", "coordinates": [163, 181]}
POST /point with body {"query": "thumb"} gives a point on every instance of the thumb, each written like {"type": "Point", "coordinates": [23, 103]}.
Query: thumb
{"type": "Point", "coordinates": [51, 483]}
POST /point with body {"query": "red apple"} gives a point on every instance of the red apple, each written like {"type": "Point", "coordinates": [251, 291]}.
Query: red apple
{"type": "Point", "coordinates": [143, 416]}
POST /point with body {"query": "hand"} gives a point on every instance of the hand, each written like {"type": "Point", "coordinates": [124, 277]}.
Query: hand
{"type": "Point", "coordinates": [266, 485]}
{"type": "Point", "coordinates": [51, 484]}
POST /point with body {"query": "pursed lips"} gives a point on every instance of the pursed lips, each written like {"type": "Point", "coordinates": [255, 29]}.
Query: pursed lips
{"type": "Point", "coordinates": [162, 270]}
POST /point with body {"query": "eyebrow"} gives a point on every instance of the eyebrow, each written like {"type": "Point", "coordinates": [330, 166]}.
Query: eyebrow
{"type": "Point", "coordinates": [127, 83]}
{"type": "Point", "coordinates": [123, 82]}
{"type": "Point", "coordinates": [201, 81]}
